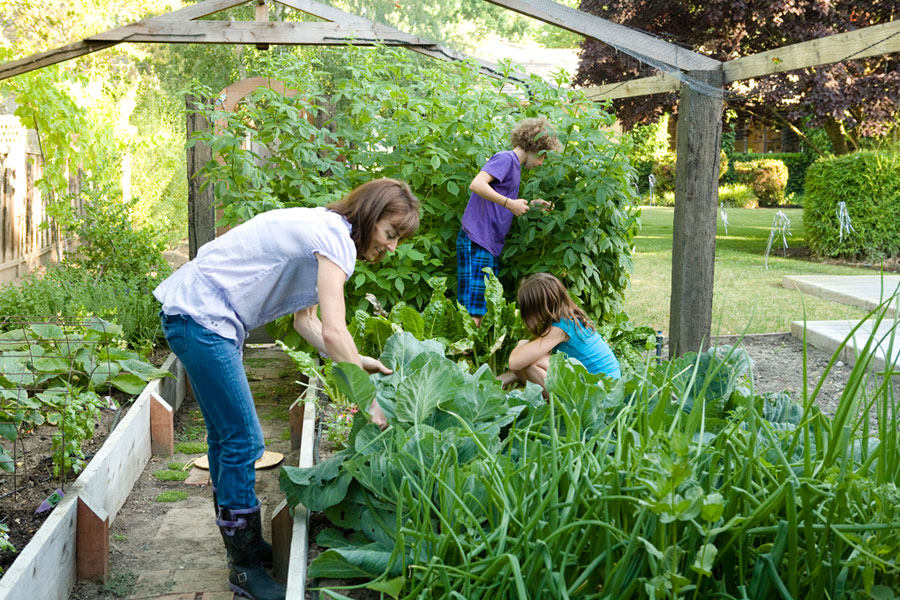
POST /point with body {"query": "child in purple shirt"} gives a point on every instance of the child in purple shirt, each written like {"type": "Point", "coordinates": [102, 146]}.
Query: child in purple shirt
{"type": "Point", "coordinates": [491, 208]}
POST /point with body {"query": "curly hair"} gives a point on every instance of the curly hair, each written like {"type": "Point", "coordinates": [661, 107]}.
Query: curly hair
{"type": "Point", "coordinates": [534, 135]}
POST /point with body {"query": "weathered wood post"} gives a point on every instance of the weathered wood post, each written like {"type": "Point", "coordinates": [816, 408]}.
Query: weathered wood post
{"type": "Point", "coordinates": [201, 213]}
{"type": "Point", "coordinates": [696, 200]}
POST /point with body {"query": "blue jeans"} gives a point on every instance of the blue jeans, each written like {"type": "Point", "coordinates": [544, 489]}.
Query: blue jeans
{"type": "Point", "coordinates": [216, 370]}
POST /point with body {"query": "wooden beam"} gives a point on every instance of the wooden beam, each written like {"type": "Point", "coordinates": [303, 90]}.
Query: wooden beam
{"type": "Point", "coordinates": [694, 226]}
{"type": "Point", "coordinates": [862, 43]}
{"type": "Point", "coordinates": [252, 32]}
{"type": "Point", "coordinates": [329, 13]}
{"type": "Point", "coordinates": [636, 87]}
{"type": "Point", "coordinates": [618, 36]}
{"type": "Point", "coordinates": [70, 51]}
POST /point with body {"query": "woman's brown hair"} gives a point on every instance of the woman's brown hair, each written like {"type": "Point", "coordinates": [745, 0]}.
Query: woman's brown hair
{"type": "Point", "coordinates": [544, 300]}
{"type": "Point", "coordinates": [370, 202]}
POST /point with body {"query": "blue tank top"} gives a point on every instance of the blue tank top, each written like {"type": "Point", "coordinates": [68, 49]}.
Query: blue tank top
{"type": "Point", "coordinates": [589, 348]}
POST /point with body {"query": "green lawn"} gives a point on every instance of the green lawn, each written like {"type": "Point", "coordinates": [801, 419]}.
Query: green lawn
{"type": "Point", "coordinates": [747, 296]}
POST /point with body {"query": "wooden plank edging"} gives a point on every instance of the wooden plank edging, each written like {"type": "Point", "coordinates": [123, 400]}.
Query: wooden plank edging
{"type": "Point", "coordinates": [46, 567]}
{"type": "Point", "coordinates": [296, 575]}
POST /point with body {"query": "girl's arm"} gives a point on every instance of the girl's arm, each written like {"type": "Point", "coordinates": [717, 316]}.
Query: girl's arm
{"type": "Point", "coordinates": [481, 185]}
{"type": "Point", "coordinates": [524, 356]}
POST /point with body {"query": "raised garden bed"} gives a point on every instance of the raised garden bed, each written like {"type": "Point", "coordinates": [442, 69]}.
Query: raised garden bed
{"type": "Point", "coordinates": [70, 543]}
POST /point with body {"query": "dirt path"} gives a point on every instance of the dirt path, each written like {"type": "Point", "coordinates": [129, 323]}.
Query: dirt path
{"type": "Point", "coordinates": [173, 550]}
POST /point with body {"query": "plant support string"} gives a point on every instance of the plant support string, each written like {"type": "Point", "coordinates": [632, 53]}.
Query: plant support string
{"type": "Point", "coordinates": [781, 225]}
{"type": "Point", "coordinates": [843, 221]}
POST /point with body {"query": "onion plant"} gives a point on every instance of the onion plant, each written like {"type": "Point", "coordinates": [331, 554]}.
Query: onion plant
{"type": "Point", "coordinates": [676, 481]}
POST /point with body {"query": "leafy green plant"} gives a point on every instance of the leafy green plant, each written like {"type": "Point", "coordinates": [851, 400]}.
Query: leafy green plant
{"type": "Point", "coordinates": [768, 178]}
{"type": "Point", "coordinates": [675, 481]}
{"type": "Point", "coordinates": [388, 114]}
{"type": "Point", "coordinates": [172, 496]}
{"type": "Point", "coordinates": [738, 195]}
{"type": "Point", "coordinates": [796, 162]}
{"type": "Point", "coordinates": [170, 475]}
{"type": "Point", "coordinates": [54, 373]}
{"type": "Point", "coordinates": [869, 185]}
{"type": "Point", "coordinates": [191, 447]}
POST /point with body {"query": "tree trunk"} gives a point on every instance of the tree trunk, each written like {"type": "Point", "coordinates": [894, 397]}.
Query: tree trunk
{"type": "Point", "coordinates": [836, 135]}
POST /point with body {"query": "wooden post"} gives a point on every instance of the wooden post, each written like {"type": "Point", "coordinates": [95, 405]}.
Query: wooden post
{"type": "Point", "coordinates": [162, 426]}
{"type": "Point", "coordinates": [262, 16]}
{"type": "Point", "coordinates": [296, 415]}
{"type": "Point", "coordinates": [201, 216]}
{"type": "Point", "coordinates": [696, 200]}
{"type": "Point", "coordinates": [91, 542]}
{"type": "Point", "coordinates": [282, 533]}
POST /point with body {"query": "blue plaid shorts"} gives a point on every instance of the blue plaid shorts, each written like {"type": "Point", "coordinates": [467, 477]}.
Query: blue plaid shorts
{"type": "Point", "coordinates": [470, 260]}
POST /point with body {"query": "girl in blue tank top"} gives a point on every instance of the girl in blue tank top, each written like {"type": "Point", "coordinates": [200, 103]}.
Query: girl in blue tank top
{"type": "Point", "coordinates": [558, 325]}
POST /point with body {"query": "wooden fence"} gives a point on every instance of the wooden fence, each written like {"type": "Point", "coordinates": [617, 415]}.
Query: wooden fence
{"type": "Point", "coordinates": [25, 245]}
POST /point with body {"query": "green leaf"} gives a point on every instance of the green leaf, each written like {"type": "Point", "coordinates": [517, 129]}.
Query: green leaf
{"type": "Point", "coordinates": [432, 379]}
{"type": "Point", "coordinates": [128, 383]}
{"type": "Point", "coordinates": [144, 370]}
{"type": "Point", "coordinates": [705, 559]}
{"type": "Point", "coordinates": [391, 587]}
{"type": "Point", "coordinates": [47, 331]}
{"type": "Point", "coordinates": [338, 563]}
{"type": "Point", "coordinates": [8, 431]}
{"type": "Point", "coordinates": [354, 383]}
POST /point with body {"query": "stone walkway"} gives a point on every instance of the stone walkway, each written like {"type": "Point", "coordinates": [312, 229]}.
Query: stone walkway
{"type": "Point", "coordinates": [865, 291]}
{"type": "Point", "coordinates": [173, 550]}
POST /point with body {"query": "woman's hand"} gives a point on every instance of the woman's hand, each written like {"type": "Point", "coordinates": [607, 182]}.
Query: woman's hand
{"type": "Point", "coordinates": [373, 365]}
{"type": "Point", "coordinates": [378, 415]}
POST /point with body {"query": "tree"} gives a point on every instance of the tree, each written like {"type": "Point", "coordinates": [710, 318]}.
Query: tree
{"type": "Point", "coordinates": [850, 100]}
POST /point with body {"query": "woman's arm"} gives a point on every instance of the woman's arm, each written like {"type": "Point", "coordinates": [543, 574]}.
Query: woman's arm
{"type": "Point", "coordinates": [336, 338]}
{"type": "Point", "coordinates": [308, 325]}
{"type": "Point", "coordinates": [524, 356]}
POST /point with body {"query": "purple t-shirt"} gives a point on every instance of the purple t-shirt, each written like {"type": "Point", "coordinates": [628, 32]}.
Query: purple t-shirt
{"type": "Point", "coordinates": [487, 223]}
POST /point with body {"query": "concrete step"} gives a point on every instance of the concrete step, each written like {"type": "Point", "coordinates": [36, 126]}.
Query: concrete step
{"type": "Point", "coordinates": [828, 336]}
{"type": "Point", "coordinates": [864, 291]}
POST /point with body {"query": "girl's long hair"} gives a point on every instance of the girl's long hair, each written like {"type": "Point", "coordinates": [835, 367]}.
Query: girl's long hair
{"type": "Point", "coordinates": [544, 300]}
{"type": "Point", "coordinates": [372, 201]}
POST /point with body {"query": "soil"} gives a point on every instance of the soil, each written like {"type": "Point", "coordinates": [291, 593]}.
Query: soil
{"type": "Point", "coordinates": [22, 492]}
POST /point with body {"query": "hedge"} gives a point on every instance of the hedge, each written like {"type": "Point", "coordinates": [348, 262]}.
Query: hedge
{"type": "Point", "coordinates": [796, 162]}
{"type": "Point", "coordinates": [869, 183]}
{"type": "Point", "coordinates": [768, 178]}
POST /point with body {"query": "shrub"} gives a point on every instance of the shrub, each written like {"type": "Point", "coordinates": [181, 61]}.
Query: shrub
{"type": "Point", "coordinates": [648, 142]}
{"type": "Point", "coordinates": [738, 195]}
{"type": "Point", "coordinates": [869, 183]}
{"type": "Point", "coordinates": [388, 114]}
{"type": "Point", "coordinates": [796, 163]}
{"type": "Point", "coordinates": [664, 171]}
{"type": "Point", "coordinates": [767, 177]}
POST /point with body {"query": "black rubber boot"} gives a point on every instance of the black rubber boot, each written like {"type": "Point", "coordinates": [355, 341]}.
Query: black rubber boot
{"type": "Point", "coordinates": [262, 548]}
{"type": "Point", "coordinates": [241, 531]}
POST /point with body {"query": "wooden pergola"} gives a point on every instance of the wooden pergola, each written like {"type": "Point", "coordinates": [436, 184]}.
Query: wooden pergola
{"type": "Point", "coordinates": [699, 80]}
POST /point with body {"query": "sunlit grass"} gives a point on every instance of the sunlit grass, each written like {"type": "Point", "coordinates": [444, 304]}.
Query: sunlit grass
{"type": "Point", "coordinates": [746, 296]}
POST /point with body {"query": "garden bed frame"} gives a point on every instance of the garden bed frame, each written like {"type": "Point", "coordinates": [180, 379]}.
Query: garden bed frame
{"type": "Point", "coordinates": [73, 543]}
